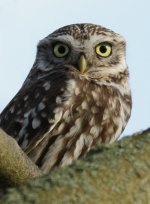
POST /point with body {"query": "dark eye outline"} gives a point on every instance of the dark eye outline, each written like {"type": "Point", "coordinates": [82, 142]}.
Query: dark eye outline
{"type": "Point", "coordinates": [56, 51]}
{"type": "Point", "coordinates": [103, 45]}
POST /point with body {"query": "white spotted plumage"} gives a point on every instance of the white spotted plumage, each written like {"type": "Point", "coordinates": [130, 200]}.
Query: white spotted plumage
{"type": "Point", "coordinates": [76, 95]}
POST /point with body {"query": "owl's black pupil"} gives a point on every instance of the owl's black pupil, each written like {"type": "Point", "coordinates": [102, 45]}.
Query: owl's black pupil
{"type": "Point", "coordinates": [103, 49]}
{"type": "Point", "coordinates": [61, 49]}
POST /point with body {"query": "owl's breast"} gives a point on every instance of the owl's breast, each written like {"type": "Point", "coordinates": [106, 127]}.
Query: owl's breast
{"type": "Point", "coordinates": [89, 115]}
{"type": "Point", "coordinates": [97, 113]}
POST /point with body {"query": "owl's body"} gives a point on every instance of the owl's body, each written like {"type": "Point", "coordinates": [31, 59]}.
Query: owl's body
{"type": "Point", "coordinates": [76, 96]}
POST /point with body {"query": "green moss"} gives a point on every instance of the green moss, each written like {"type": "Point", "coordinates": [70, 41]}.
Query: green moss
{"type": "Point", "coordinates": [116, 173]}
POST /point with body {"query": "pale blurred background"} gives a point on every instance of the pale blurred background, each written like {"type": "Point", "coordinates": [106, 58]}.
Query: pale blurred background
{"type": "Point", "coordinates": [24, 22]}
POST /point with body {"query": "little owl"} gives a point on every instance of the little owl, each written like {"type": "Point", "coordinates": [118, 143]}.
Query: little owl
{"type": "Point", "coordinates": [76, 95]}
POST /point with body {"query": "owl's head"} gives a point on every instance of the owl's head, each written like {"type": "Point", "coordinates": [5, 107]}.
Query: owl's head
{"type": "Point", "coordinates": [86, 49]}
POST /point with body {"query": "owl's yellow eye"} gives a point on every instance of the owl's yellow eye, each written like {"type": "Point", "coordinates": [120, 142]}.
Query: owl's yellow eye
{"type": "Point", "coordinates": [104, 49]}
{"type": "Point", "coordinates": [61, 50]}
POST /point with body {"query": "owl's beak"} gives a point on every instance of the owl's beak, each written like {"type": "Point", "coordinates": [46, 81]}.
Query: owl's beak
{"type": "Point", "coordinates": [82, 64]}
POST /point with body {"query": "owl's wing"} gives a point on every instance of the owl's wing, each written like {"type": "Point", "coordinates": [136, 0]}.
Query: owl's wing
{"type": "Point", "coordinates": [28, 114]}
